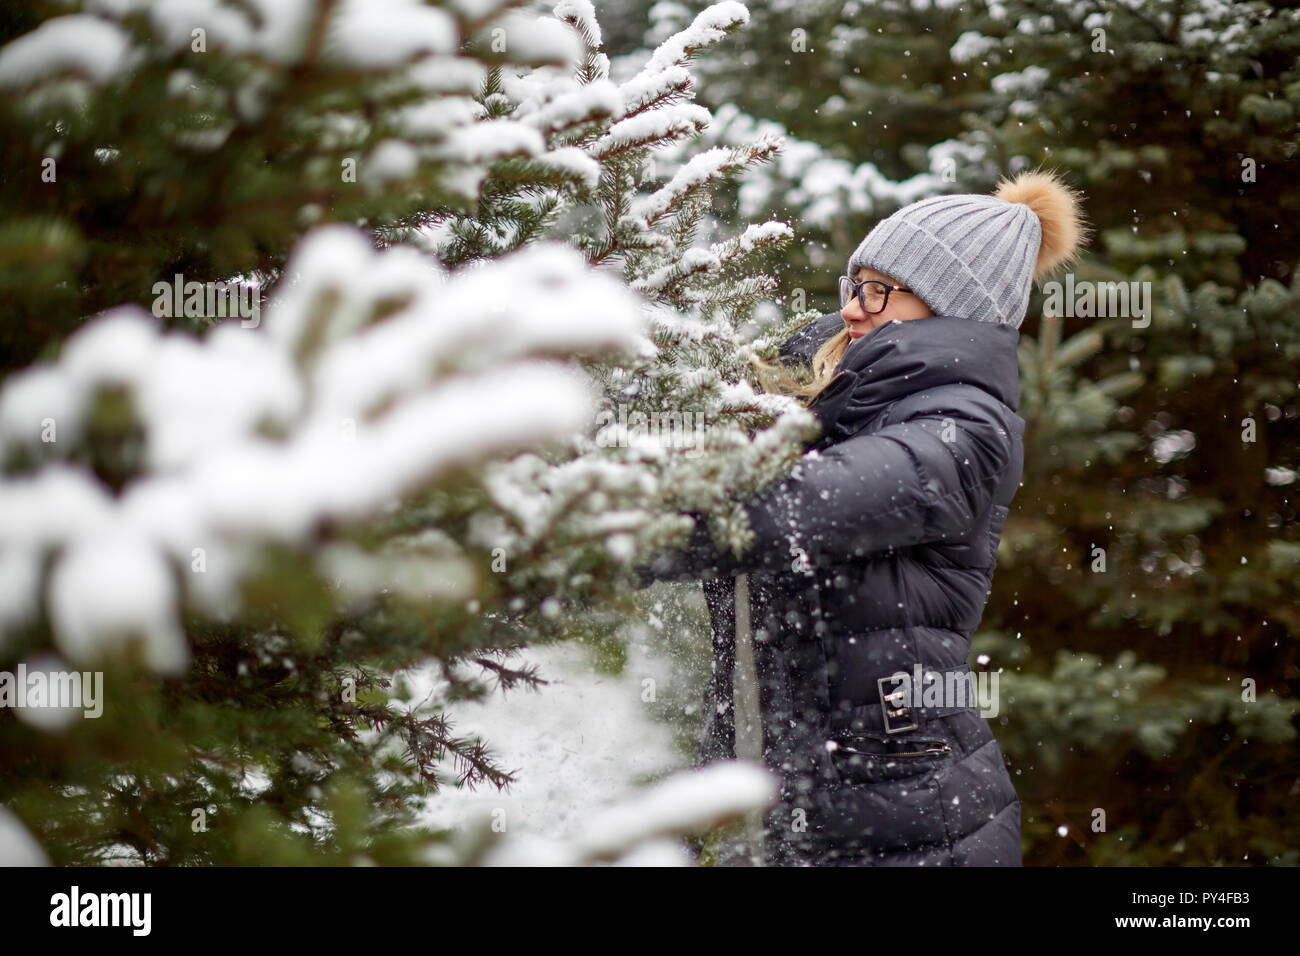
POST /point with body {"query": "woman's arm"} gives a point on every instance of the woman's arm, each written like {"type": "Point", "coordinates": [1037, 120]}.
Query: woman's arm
{"type": "Point", "coordinates": [696, 560]}
{"type": "Point", "coordinates": [923, 478]}
{"type": "Point", "coordinates": [699, 558]}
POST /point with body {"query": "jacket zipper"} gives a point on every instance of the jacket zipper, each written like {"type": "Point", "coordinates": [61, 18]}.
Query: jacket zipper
{"type": "Point", "coordinates": [939, 748]}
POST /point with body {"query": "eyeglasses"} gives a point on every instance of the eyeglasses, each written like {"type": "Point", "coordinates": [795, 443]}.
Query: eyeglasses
{"type": "Point", "coordinates": [872, 294]}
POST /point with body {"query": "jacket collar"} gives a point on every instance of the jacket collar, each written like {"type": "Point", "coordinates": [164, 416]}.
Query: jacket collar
{"type": "Point", "coordinates": [902, 357]}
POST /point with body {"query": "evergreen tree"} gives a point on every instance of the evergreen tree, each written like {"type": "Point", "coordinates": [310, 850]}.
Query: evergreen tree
{"type": "Point", "coordinates": [441, 249]}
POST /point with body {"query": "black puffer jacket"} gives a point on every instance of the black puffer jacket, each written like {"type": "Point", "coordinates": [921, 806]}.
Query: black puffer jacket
{"type": "Point", "coordinates": [875, 555]}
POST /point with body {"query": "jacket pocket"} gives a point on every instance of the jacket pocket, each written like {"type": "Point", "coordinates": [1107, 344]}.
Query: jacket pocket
{"type": "Point", "coordinates": [865, 758]}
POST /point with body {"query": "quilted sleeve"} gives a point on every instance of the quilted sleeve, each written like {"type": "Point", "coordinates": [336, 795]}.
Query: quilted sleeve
{"type": "Point", "coordinates": [926, 476]}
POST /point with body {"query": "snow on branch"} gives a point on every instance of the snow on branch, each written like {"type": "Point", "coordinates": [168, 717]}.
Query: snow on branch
{"type": "Point", "coordinates": [373, 374]}
{"type": "Point", "coordinates": [709, 26]}
{"type": "Point", "coordinates": [698, 173]}
{"type": "Point", "coordinates": [566, 108]}
{"type": "Point", "coordinates": [81, 44]}
{"type": "Point", "coordinates": [643, 827]}
{"type": "Point", "coordinates": [673, 122]}
{"type": "Point", "coordinates": [17, 846]}
{"type": "Point", "coordinates": [805, 175]}
{"type": "Point", "coordinates": [582, 16]}
{"type": "Point", "coordinates": [646, 91]}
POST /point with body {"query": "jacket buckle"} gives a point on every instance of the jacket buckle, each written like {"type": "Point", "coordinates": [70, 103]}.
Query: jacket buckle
{"type": "Point", "coordinates": [892, 704]}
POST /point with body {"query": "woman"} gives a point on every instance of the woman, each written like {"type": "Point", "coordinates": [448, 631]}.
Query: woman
{"type": "Point", "coordinates": [877, 554]}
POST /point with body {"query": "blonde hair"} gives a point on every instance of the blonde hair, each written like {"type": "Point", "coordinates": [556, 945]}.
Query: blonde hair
{"type": "Point", "coordinates": [803, 382]}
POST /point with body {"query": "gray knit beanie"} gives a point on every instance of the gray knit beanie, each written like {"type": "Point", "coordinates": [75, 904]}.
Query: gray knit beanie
{"type": "Point", "coordinates": [977, 256]}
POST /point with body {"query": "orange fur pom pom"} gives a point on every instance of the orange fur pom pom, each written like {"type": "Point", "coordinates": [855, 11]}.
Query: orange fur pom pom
{"type": "Point", "coordinates": [1057, 207]}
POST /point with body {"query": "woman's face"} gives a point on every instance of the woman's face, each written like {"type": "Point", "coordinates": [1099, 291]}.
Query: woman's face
{"type": "Point", "coordinates": [902, 305]}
